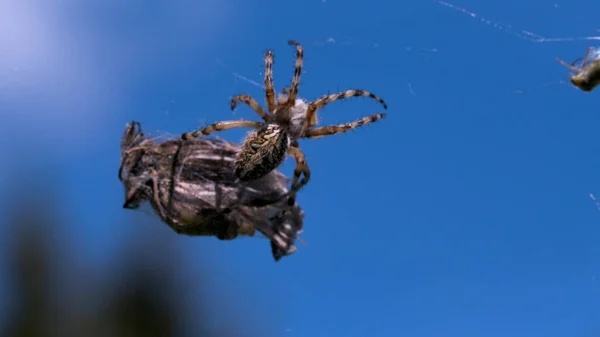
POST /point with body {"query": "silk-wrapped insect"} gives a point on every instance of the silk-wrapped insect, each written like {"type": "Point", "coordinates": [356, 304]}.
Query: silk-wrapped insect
{"type": "Point", "coordinates": [585, 72]}
{"type": "Point", "coordinates": [193, 189]}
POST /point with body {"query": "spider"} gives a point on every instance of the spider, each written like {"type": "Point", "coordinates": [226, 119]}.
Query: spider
{"type": "Point", "coordinates": [587, 76]}
{"type": "Point", "coordinates": [288, 119]}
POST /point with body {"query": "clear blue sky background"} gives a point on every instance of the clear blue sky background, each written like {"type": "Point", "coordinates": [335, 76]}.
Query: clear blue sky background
{"type": "Point", "coordinates": [465, 213]}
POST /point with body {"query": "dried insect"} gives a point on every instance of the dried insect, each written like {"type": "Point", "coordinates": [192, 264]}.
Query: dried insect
{"type": "Point", "coordinates": [192, 187]}
{"type": "Point", "coordinates": [585, 76]}
{"type": "Point", "coordinates": [287, 120]}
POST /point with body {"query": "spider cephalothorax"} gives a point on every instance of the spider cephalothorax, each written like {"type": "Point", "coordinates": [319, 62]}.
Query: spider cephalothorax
{"type": "Point", "coordinates": [288, 119]}
{"type": "Point", "coordinates": [585, 76]}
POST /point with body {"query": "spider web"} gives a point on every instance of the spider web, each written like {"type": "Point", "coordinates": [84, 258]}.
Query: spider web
{"type": "Point", "coordinates": [535, 38]}
{"type": "Point", "coordinates": [526, 35]}
{"type": "Point", "coordinates": [520, 33]}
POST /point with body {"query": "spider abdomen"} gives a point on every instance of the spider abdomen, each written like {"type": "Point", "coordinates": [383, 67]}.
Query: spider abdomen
{"type": "Point", "coordinates": [262, 152]}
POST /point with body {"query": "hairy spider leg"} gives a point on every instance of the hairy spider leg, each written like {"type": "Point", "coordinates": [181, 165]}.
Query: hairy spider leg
{"type": "Point", "coordinates": [269, 88]}
{"type": "Point", "coordinates": [300, 169]}
{"type": "Point", "coordinates": [252, 103]}
{"type": "Point", "coordinates": [293, 91]}
{"type": "Point", "coordinates": [221, 126]}
{"type": "Point", "coordinates": [311, 112]}
{"type": "Point", "coordinates": [335, 129]}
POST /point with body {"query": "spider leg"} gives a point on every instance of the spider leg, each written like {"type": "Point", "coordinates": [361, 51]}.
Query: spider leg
{"type": "Point", "coordinates": [311, 112]}
{"type": "Point", "coordinates": [335, 129]}
{"type": "Point", "coordinates": [293, 91]}
{"type": "Point", "coordinates": [221, 126]}
{"type": "Point", "coordinates": [301, 168]}
{"type": "Point", "coordinates": [269, 89]}
{"type": "Point", "coordinates": [252, 103]}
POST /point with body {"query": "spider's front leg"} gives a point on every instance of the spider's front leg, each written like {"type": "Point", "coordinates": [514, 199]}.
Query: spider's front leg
{"type": "Point", "coordinates": [300, 169]}
{"type": "Point", "coordinates": [293, 91]}
{"type": "Point", "coordinates": [221, 126]}
{"type": "Point", "coordinates": [269, 89]}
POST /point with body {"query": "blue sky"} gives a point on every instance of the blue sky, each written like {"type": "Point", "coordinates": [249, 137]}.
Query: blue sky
{"type": "Point", "coordinates": [466, 212]}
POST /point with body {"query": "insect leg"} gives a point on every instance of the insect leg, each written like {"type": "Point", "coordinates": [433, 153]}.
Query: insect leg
{"type": "Point", "coordinates": [156, 195]}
